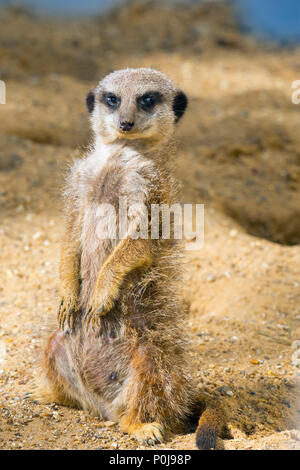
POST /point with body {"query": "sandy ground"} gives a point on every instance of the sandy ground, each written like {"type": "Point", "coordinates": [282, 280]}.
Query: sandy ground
{"type": "Point", "coordinates": [239, 155]}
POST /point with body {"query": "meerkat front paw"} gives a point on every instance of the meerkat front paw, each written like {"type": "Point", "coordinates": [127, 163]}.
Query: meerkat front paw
{"type": "Point", "coordinates": [102, 302]}
{"type": "Point", "coordinates": [67, 310]}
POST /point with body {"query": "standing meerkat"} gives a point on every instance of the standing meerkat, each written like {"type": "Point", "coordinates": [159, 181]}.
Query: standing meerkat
{"type": "Point", "coordinates": [119, 352]}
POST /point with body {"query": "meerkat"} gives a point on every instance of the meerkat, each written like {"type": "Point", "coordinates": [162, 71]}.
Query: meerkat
{"type": "Point", "coordinates": [119, 351]}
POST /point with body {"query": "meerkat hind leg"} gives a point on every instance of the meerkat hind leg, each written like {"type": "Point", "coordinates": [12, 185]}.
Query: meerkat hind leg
{"type": "Point", "coordinates": [44, 394]}
{"type": "Point", "coordinates": [56, 385]}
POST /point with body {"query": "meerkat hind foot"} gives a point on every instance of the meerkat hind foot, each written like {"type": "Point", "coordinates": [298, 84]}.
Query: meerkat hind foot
{"type": "Point", "coordinates": [41, 396]}
{"type": "Point", "coordinates": [45, 396]}
{"type": "Point", "coordinates": [147, 433]}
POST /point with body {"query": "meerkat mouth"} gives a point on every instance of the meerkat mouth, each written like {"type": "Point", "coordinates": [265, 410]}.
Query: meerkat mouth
{"type": "Point", "coordinates": [129, 134]}
{"type": "Point", "coordinates": [134, 132]}
{"type": "Point", "coordinates": [126, 131]}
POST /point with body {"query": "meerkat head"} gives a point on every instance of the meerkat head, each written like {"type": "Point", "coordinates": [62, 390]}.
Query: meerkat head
{"type": "Point", "coordinates": [135, 104]}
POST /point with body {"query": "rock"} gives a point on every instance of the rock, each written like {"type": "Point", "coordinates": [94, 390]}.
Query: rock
{"type": "Point", "coordinates": [296, 344]}
{"type": "Point", "coordinates": [225, 389]}
{"type": "Point", "coordinates": [210, 277]}
{"type": "Point", "coordinates": [10, 162]}
{"type": "Point", "coordinates": [233, 233]}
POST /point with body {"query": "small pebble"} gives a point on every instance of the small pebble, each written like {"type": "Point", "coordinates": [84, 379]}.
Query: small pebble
{"type": "Point", "coordinates": [296, 344]}
{"type": "Point", "coordinates": [210, 277]}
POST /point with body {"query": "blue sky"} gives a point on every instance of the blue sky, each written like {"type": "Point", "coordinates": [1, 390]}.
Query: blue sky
{"type": "Point", "coordinates": [274, 18]}
{"type": "Point", "coordinates": [68, 6]}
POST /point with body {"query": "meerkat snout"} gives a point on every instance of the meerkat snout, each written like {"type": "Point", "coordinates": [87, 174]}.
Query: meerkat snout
{"type": "Point", "coordinates": [126, 125]}
{"type": "Point", "coordinates": [135, 104]}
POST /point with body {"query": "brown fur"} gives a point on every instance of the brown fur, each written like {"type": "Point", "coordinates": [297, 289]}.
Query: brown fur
{"type": "Point", "coordinates": [123, 357]}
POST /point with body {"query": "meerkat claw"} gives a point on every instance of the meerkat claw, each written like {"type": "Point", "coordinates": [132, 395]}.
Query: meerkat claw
{"type": "Point", "coordinates": [66, 311]}
{"type": "Point", "coordinates": [151, 442]}
{"type": "Point", "coordinates": [93, 317]}
{"type": "Point", "coordinates": [61, 315]}
{"type": "Point", "coordinates": [100, 310]}
{"type": "Point", "coordinates": [30, 396]}
{"type": "Point", "coordinates": [62, 322]}
{"type": "Point", "coordinates": [95, 322]}
{"type": "Point", "coordinates": [88, 317]}
{"type": "Point", "coordinates": [69, 317]}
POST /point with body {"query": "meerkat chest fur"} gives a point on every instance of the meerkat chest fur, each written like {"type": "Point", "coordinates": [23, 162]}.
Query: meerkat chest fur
{"type": "Point", "coordinates": [114, 184]}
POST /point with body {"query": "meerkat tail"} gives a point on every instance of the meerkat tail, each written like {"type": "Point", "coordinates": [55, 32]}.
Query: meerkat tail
{"type": "Point", "coordinates": [210, 427]}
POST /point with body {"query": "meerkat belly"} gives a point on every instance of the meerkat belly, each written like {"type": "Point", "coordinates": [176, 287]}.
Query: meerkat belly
{"type": "Point", "coordinates": [99, 365]}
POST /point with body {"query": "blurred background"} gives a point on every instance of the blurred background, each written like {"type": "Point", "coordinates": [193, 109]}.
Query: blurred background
{"type": "Point", "coordinates": [239, 154]}
{"type": "Point", "coordinates": [276, 19]}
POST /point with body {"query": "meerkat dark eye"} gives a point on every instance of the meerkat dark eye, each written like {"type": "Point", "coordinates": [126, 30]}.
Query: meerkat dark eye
{"type": "Point", "coordinates": [111, 100]}
{"type": "Point", "coordinates": [149, 100]}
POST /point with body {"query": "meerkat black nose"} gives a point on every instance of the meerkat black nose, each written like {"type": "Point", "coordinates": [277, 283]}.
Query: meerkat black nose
{"type": "Point", "coordinates": [126, 125]}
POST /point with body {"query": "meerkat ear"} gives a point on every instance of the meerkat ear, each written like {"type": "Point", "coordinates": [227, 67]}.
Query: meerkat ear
{"type": "Point", "coordinates": [179, 105]}
{"type": "Point", "coordinates": [90, 101]}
